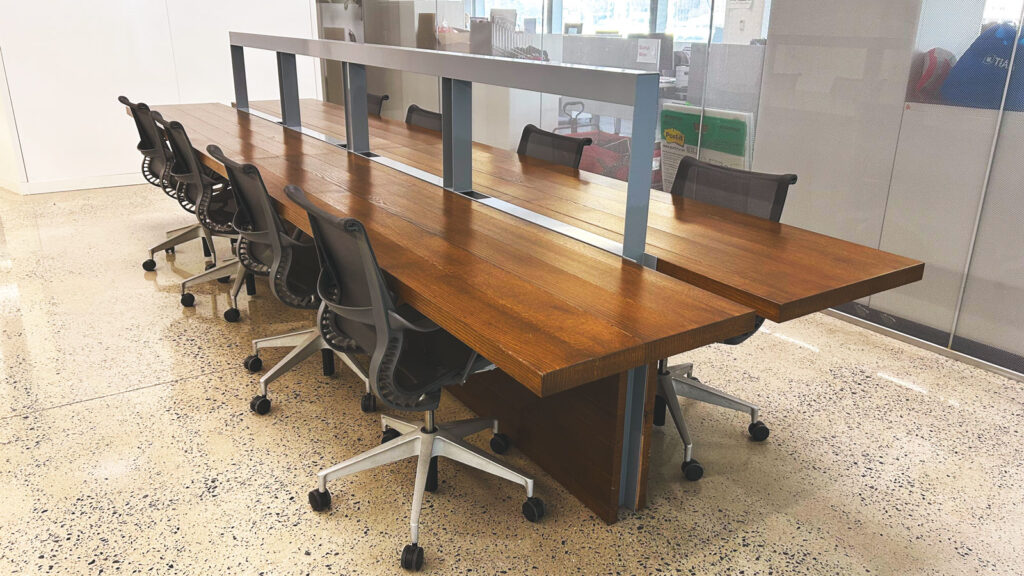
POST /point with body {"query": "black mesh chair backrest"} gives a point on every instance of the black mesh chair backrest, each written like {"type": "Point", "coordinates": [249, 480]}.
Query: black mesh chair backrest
{"type": "Point", "coordinates": [156, 156]}
{"type": "Point", "coordinates": [417, 116]}
{"type": "Point", "coordinates": [754, 193]}
{"type": "Point", "coordinates": [198, 186]}
{"type": "Point", "coordinates": [375, 103]}
{"type": "Point", "coordinates": [264, 245]}
{"type": "Point", "coordinates": [350, 280]}
{"type": "Point", "coordinates": [149, 136]}
{"type": "Point", "coordinates": [186, 168]}
{"type": "Point", "coordinates": [255, 216]}
{"type": "Point", "coordinates": [551, 147]}
{"type": "Point", "coordinates": [411, 359]}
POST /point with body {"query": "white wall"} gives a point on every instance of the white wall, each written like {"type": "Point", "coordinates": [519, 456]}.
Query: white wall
{"type": "Point", "coordinates": [12, 172]}
{"type": "Point", "coordinates": [67, 61]}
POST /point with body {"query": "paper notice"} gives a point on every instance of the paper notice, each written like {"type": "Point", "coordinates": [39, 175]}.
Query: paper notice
{"type": "Point", "coordinates": [647, 50]}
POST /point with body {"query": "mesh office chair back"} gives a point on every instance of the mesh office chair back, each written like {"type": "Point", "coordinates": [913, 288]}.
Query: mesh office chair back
{"type": "Point", "coordinates": [206, 192]}
{"type": "Point", "coordinates": [265, 245]}
{"type": "Point", "coordinates": [411, 359]}
{"type": "Point", "coordinates": [755, 193]}
{"type": "Point", "coordinates": [417, 116]}
{"type": "Point", "coordinates": [551, 147]}
{"type": "Point", "coordinates": [156, 156]}
{"type": "Point", "coordinates": [375, 103]}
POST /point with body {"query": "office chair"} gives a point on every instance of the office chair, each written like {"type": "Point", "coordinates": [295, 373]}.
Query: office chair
{"type": "Point", "coordinates": [156, 157]}
{"type": "Point", "coordinates": [210, 194]}
{"type": "Point", "coordinates": [412, 360]}
{"type": "Point", "coordinates": [551, 147]}
{"type": "Point", "coordinates": [757, 194]}
{"type": "Point", "coordinates": [285, 255]}
{"type": "Point", "coordinates": [157, 160]}
{"type": "Point", "coordinates": [417, 116]}
{"type": "Point", "coordinates": [375, 103]}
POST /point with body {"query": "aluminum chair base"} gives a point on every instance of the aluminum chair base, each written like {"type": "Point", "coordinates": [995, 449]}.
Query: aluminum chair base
{"type": "Point", "coordinates": [184, 234]}
{"type": "Point", "coordinates": [426, 442]}
{"type": "Point", "coordinates": [304, 344]}
{"type": "Point", "coordinates": [227, 269]}
{"type": "Point", "coordinates": [679, 381]}
{"type": "Point", "coordinates": [177, 237]}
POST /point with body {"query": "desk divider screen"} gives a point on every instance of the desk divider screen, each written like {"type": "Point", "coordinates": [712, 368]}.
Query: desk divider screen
{"type": "Point", "coordinates": [458, 72]}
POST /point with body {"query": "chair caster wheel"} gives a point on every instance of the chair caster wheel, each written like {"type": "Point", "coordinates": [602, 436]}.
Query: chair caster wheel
{"type": "Point", "coordinates": [224, 279]}
{"type": "Point", "coordinates": [253, 363]}
{"type": "Point", "coordinates": [412, 558]}
{"type": "Point", "coordinates": [188, 300]}
{"type": "Point", "coordinates": [692, 470]}
{"type": "Point", "coordinates": [758, 431]}
{"type": "Point", "coordinates": [149, 265]}
{"type": "Point", "coordinates": [389, 435]}
{"type": "Point", "coordinates": [169, 250]}
{"type": "Point", "coordinates": [500, 443]}
{"type": "Point", "coordinates": [260, 405]}
{"type": "Point", "coordinates": [232, 314]}
{"type": "Point", "coordinates": [319, 501]}
{"type": "Point", "coordinates": [533, 509]}
{"type": "Point", "coordinates": [209, 265]}
{"type": "Point", "coordinates": [368, 403]}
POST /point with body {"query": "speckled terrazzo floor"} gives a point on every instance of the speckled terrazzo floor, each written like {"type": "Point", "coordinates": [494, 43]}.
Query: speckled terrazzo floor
{"type": "Point", "coordinates": [127, 445]}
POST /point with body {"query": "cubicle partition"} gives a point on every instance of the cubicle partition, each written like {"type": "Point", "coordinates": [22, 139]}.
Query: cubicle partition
{"type": "Point", "coordinates": [458, 73]}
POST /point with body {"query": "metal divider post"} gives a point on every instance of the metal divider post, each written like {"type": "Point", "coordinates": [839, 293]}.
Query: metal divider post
{"type": "Point", "coordinates": [457, 134]}
{"type": "Point", "coordinates": [357, 130]}
{"type": "Point", "coordinates": [634, 245]}
{"type": "Point", "coordinates": [238, 72]}
{"type": "Point", "coordinates": [288, 82]}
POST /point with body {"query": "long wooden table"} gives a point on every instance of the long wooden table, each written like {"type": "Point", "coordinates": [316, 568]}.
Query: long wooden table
{"type": "Point", "coordinates": [563, 321]}
{"type": "Point", "coordinates": [781, 271]}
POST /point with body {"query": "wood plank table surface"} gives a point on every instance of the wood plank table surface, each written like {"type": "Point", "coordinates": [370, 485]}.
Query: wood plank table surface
{"type": "Point", "coordinates": [562, 320]}
{"type": "Point", "coordinates": [781, 271]}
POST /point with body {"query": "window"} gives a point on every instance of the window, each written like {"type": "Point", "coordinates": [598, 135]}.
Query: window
{"type": "Point", "coordinates": [621, 17]}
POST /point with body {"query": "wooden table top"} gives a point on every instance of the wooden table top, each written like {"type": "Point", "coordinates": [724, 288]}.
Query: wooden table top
{"type": "Point", "coordinates": [781, 271]}
{"type": "Point", "coordinates": [550, 311]}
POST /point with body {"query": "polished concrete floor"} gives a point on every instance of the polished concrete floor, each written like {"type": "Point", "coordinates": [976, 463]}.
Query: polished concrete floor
{"type": "Point", "coordinates": [127, 445]}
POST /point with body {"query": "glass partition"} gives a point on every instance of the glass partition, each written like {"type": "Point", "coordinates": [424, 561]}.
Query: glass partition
{"type": "Point", "coordinates": [636, 34]}
{"type": "Point", "coordinates": [953, 193]}
{"type": "Point", "coordinates": [943, 106]}
{"type": "Point", "coordinates": [892, 114]}
{"type": "Point", "coordinates": [725, 84]}
{"type": "Point", "coordinates": [990, 321]}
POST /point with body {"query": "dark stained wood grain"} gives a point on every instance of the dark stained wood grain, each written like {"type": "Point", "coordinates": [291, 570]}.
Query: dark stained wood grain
{"type": "Point", "coordinates": [551, 312]}
{"type": "Point", "coordinates": [781, 271]}
{"type": "Point", "coordinates": [574, 436]}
